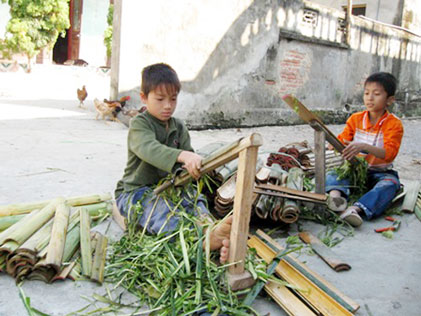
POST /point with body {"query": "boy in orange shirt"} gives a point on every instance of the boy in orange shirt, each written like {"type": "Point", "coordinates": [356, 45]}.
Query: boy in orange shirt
{"type": "Point", "coordinates": [375, 134]}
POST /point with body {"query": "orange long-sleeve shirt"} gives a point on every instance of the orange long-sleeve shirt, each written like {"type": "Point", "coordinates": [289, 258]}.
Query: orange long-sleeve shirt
{"type": "Point", "coordinates": [387, 133]}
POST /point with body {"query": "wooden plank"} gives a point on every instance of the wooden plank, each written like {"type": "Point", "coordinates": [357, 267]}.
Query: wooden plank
{"type": "Point", "coordinates": [278, 188]}
{"type": "Point", "coordinates": [312, 294]}
{"type": "Point", "coordinates": [242, 209]}
{"type": "Point", "coordinates": [324, 252]}
{"type": "Point", "coordinates": [411, 189]}
{"type": "Point", "coordinates": [313, 120]}
{"type": "Point", "coordinates": [311, 275]}
{"type": "Point", "coordinates": [290, 303]}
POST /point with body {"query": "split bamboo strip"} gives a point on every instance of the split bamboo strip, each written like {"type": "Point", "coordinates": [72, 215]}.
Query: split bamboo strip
{"type": "Point", "coordinates": [7, 221]}
{"type": "Point", "coordinates": [58, 237]}
{"type": "Point", "coordinates": [318, 299]}
{"type": "Point", "coordinates": [99, 259]}
{"type": "Point", "coordinates": [23, 208]}
{"type": "Point", "coordinates": [304, 270]}
{"type": "Point", "coordinates": [290, 303]}
{"type": "Point", "coordinates": [85, 242]}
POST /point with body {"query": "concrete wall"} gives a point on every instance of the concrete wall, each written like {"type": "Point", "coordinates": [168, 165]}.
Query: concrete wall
{"type": "Point", "coordinates": [237, 59]}
{"type": "Point", "coordinates": [382, 10]}
{"type": "Point", "coordinates": [94, 23]}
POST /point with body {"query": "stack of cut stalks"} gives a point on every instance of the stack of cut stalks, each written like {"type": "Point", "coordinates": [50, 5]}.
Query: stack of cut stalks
{"type": "Point", "coordinates": [332, 160]}
{"type": "Point", "coordinates": [44, 240]}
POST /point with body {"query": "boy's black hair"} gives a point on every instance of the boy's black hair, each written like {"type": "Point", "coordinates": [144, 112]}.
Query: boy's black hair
{"type": "Point", "coordinates": [158, 74]}
{"type": "Point", "coordinates": [387, 80]}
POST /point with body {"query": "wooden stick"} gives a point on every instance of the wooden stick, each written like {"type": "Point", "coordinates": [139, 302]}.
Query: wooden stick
{"type": "Point", "coordinates": [242, 208]}
{"type": "Point", "coordinates": [293, 192]}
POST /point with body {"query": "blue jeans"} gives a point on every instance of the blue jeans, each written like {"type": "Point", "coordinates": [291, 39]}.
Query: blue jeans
{"type": "Point", "coordinates": [382, 186]}
{"type": "Point", "coordinates": [162, 218]}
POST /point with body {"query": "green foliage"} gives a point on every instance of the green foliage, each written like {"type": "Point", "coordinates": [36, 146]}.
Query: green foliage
{"type": "Point", "coordinates": [108, 33]}
{"type": "Point", "coordinates": [34, 25]}
{"type": "Point", "coordinates": [357, 175]}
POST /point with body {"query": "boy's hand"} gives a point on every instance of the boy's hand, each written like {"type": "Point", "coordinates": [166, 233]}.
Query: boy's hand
{"type": "Point", "coordinates": [353, 149]}
{"type": "Point", "coordinates": [192, 162]}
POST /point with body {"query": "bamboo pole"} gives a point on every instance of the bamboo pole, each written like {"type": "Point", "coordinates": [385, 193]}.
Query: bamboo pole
{"type": "Point", "coordinates": [85, 242]}
{"type": "Point", "coordinates": [58, 237]}
{"type": "Point", "coordinates": [24, 208]}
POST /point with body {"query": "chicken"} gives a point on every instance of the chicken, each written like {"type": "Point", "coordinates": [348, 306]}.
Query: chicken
{"type": "Point", "coordinates": [121, 102]}
{"type": "Point", "coordinates": [134, 112]}
{"type": "Point", "coordinates": [81, 95]}
{"type": "Point", "coordinates": [106, 110]}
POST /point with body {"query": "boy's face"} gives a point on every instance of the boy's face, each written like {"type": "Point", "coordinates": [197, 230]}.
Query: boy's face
{"type": "Point", "coordinates": [161, 102]}
{"type": "Point", "coordinates": [375, 97]}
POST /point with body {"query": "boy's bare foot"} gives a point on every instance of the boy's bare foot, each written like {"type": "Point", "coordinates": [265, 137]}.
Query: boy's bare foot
{"type": "Point", "coordinates": [219, 238]}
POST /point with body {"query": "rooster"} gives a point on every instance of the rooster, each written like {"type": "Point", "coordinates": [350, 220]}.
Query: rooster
{"type": "Point", "coordinates": [122, 102]}
{"type": "Point", "coordinates": [106, 110]}
{"type": "Point", "coordinates": [81, 95]}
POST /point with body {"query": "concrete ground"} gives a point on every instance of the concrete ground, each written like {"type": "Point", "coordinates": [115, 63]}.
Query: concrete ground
{"type": "Point", "coordinates": [50, 147]}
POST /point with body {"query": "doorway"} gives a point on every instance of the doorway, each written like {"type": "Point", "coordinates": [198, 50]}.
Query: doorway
{"type": "Point", "coordinates": [60, 50]}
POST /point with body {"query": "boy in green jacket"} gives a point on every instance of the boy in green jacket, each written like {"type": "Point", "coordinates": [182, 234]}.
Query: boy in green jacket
{"type": "Point", "coordinates": [157, 144]}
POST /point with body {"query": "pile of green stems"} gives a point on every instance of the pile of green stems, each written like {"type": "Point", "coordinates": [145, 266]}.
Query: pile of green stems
{"type": "Point", "coordinates": [171, 273]}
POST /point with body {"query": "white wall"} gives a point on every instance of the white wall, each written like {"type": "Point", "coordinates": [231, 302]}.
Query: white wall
{"type": "Point", "coordinates": [94, 23]}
